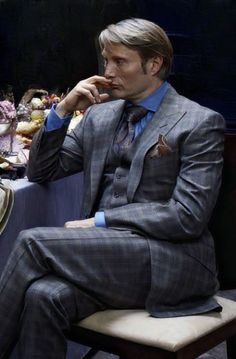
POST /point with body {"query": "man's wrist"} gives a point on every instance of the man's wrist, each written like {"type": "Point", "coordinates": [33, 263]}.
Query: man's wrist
{"type": "Point", "coordinates": [61, 110]}
{"type": "Point", "coordinates": [54, 122]}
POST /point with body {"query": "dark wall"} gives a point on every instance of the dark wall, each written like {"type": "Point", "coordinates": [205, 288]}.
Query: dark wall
{"type": "Point", "coordinates": [203, 33]}
{"type": "Point", "coordinates": [51, 44]}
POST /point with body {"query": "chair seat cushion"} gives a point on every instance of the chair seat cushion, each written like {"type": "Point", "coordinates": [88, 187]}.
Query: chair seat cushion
{"type": "Point", "coordinates": [166, 333]}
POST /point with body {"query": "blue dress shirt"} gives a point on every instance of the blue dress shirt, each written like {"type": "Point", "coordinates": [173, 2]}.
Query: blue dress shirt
{"type": "Point", "coordinates": [151, 103]}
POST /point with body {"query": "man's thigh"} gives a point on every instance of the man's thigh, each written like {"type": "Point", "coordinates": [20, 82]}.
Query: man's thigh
{"type": "Point", "coordinates": [111, 265]}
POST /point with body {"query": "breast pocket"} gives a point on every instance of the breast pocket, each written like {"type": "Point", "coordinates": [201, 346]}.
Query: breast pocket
{"type": "Point", "coordinates": [159, 175]}
{"type": "Point", "coordinates": [166, 165]}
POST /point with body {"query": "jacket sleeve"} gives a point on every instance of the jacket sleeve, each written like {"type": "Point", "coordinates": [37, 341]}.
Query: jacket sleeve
{"type": "Point", "coordinates": [55, 154]}
{"type": "Point", "coordinates": [187, 212]}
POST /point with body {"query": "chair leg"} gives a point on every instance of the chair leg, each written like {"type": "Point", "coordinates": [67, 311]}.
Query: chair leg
{"type": "Point", "coordinates": [231, 347]}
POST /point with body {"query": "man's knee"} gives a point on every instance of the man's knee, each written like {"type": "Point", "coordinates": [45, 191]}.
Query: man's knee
{"type": "Point", "coordinates": [27, 234]}
{"type": "Point", "coordinates": [47, 292]}
{"type": "Point", "coordinates": [25, 237]}
{"type": "Point", "coordinates": [29, 237]}
{"type": "Point", "coordinates": [38, 294]}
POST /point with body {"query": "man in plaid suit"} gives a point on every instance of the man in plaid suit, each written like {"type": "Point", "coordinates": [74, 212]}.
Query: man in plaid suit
{"type": "Point", "coordinates": [143, 240]}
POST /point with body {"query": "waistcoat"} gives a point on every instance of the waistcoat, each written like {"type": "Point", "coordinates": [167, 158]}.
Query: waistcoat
{"type": "Point", "coordinates": [113, 191]}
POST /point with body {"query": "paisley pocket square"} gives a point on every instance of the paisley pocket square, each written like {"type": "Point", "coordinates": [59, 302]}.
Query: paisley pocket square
{"type": "Point", "coordinates": [161, 148]}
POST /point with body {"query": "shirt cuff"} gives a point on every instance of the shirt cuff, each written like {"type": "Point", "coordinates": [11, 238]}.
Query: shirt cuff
{"type": "Point", "coordinates": [54, 122]}
{"type": "Point", "coordinates": [100, 219]}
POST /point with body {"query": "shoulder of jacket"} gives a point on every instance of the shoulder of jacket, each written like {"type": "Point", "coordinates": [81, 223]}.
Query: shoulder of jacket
{"type": "Point", "coordinates": [190, 105]}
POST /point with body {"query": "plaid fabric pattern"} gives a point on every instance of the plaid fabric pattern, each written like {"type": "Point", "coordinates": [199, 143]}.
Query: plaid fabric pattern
{"type": "Point", "coordinates": [169, 198]}
{"type": "Point", "coordinates": [168, 265]}
{"type": "Point", "coordinates": [53, 277]}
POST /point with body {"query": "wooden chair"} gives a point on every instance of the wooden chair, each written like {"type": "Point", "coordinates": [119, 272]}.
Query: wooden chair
{"type": "Point", "coordinates": [133, 334]}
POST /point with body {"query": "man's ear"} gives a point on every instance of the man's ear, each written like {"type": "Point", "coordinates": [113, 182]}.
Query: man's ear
{"type": "Point", "coordinates": [155, 65]}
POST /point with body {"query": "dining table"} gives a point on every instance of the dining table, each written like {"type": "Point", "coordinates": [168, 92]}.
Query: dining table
{"type": "Point", "coordinates": [40, 205]}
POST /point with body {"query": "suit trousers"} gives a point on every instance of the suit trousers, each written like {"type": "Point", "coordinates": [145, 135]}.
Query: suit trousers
{"type": "Point", "coordinates": [55, 276]}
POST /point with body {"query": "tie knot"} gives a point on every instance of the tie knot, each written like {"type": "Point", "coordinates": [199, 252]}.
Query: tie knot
{"type": "Point", "coordinates": [135, 113]}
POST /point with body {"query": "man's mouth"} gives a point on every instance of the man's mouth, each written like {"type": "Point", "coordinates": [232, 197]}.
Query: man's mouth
{"type": "Point", "coordinates": [114, 86]}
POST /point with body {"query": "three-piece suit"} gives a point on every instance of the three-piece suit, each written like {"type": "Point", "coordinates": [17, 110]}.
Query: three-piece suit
{"type": "Point", "coordinates": [156, 251]}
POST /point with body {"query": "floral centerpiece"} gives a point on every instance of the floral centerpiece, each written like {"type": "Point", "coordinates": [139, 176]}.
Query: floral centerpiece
{"type": "Point", "coordinates": [7, 123]}
{"type": "Point", "coordinates": [32, 111]}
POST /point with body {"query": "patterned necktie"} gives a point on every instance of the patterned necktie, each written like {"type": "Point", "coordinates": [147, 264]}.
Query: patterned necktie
{"type": "Point", "coordinates": [125, 134]}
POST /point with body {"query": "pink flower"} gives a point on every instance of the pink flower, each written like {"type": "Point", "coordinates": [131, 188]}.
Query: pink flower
{"type": "Point", "coordinates": [7, 111]}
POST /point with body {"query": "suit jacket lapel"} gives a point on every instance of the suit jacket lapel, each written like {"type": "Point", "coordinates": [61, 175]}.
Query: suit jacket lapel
{"type": "Point", "coordinates": [164, 120]}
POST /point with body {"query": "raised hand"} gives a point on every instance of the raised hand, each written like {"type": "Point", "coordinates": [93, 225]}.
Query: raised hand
{"type": "Point", "coordinates": [84, 94]}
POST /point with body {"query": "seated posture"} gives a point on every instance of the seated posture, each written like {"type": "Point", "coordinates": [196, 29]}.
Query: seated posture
{"type": "Point", "coordinates": [152, 162]}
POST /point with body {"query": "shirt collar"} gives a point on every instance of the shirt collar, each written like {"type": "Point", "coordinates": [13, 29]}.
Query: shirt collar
{"type": "Point", "coordinates": [152, 102]}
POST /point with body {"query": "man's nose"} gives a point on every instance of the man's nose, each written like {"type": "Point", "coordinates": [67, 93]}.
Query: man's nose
{"type": "Point", "coordinates": [109, 71]}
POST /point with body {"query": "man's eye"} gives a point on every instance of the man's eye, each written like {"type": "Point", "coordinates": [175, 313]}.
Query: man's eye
{"type": "Point", "coordinates": [120, 62]}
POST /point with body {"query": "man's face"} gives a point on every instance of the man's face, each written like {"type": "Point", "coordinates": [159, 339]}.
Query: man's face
{"type": "Point", "coordinates": [129, 79]}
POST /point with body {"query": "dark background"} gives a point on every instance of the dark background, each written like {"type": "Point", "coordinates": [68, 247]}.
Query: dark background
{"type": "Point", "coordinates": [51, 44]}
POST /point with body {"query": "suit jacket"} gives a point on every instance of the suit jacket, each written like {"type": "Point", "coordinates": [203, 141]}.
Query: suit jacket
{"type": "Point", "coordinates": [171, 191]}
